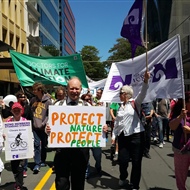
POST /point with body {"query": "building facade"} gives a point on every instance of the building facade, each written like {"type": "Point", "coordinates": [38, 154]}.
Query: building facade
{"type": "Point", "coordinates": [29, 26]}
{"type": "Point", "coordinates": [32, 27]}
{"type": "Point", "coordinates": [180, 24]}
{"type": "Point", "coordinates": [67, 29]}
{"type": "Point", "coordinates": [165, 20]}
{"type": "Point", "coordinates": [57, 26]}
{"type": "Point", "coordinates": [13, 33]}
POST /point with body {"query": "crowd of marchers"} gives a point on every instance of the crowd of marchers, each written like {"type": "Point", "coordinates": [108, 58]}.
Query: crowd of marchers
{"type": "Point", "coordinates": [134, 125]}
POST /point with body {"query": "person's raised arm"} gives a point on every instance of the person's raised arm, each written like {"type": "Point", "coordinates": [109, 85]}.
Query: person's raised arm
{"type": "Point", "coordinates": [146, 76]}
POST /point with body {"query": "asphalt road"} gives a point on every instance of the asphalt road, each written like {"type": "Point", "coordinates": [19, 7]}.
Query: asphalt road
{"type": "Point", "coordinates": [157, 172]}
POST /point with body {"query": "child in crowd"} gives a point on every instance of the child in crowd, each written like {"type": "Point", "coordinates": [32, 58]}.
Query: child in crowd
{"type": "Point", "coordinates": [1, 146]}
{"type": "Point", "coordinates": [17, 165]}
{"type": "Point", "coordinates": [26, 113]}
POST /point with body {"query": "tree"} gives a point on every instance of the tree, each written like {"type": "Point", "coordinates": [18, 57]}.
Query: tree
{"type": "Point", "coordinates": [92, 65]}
{"type": "Point", "coordinates": [121, 51]}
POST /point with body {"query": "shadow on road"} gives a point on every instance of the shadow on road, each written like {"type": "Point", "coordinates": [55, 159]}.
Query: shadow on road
{"type": "Point", "coordinates": [103, 181]}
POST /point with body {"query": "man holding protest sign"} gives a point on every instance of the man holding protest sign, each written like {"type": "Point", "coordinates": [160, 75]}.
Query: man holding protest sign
{"type": "Point", "coordinates": [71, 162]}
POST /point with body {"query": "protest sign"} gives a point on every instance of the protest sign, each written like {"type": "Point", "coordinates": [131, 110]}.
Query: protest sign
{"type": "Point", "coordinates": [19, 143]}
{"type": "Point", "coordinates": [79, 126]}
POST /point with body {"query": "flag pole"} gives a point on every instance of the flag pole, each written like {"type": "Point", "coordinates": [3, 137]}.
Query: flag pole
{"type": "Point", "coordinates": [182, 83]}
{"type": "Point", "coordinates": [146, 33]}
{"type": "Point", "coordinates": [184, 107]}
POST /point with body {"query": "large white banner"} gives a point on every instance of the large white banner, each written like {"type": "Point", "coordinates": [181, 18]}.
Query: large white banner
{"type": "Point", "coordinates": [164, 65]}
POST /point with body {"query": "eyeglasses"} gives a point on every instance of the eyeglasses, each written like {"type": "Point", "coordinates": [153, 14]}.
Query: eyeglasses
{"type": "Point", "coordinates": [121, 93]}
{"type": "Point", "coordinates": [21, 97]}
{"type": "Point", "coordinates": [60, 95]}
{"type": "Point", "coordinates": [87, 99]}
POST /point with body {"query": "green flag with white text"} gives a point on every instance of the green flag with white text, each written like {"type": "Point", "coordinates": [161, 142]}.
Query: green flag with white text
{"type": "Point", "coordinates": [48, 70]}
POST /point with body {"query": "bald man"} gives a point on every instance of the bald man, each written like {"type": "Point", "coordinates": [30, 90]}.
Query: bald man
{"type": "Point", "coordinates": [71, 162]}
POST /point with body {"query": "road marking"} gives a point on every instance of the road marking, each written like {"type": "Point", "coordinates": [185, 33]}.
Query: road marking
{"type": "Point", "coordinates": [44, 180]}
{"type": "Point", "coordinates": [53, 186]}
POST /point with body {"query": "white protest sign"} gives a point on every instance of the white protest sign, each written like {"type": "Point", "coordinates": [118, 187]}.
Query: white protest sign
{"type": "Point", "coordinates": [77, 126]}
{"type": "Point", "coordinates": [19, 143]}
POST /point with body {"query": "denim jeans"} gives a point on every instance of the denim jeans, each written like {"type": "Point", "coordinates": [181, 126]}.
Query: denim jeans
{"type": "Point", "coordinates": [131, 147]}
{"type": "Point", "coordinates": [37, 149]}
{"type": "Point", "coordinates": [40, 146]}
{"type": "Point", "coordinates": [162, 125]}
{"type": "Point", "coordinates": [25, 165]}
{"type": "Point", "coordinates": [97, 154]}
{"type": "Point", "coordinates": [154, 127]}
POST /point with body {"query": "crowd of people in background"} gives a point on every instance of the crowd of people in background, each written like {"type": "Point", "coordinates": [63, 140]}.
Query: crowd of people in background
{"type": "Point", "coordinates": [155, 121]}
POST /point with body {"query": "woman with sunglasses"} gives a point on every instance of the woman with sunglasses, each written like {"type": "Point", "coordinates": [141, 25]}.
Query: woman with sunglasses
{"type": "Point", "coordinates": [130, 132]}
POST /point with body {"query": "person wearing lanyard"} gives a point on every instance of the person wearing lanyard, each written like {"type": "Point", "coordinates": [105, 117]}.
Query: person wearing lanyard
{"type": "Point", "coordinates": [71, 163]}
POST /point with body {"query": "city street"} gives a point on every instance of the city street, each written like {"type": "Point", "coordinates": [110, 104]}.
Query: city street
{"type": "Point", "coordinates": [157, 172]}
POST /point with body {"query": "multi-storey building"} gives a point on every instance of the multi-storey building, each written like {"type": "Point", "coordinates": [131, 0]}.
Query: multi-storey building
{"type": "Point", "coordinates": [180, 24]}
{"type": "Point", "coordinates": [13, 33]}
{"type": "Point", "coordinates": [57, 26]}
{"type": "Point", "coordinates": [67, 29]}
{"type": "Point", "coordinates": [165, 20]}
{"type": "Point", "coordinates": [30, 25]}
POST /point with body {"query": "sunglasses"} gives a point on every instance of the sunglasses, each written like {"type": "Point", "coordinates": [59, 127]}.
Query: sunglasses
{"type": "Point", "coordinates": [87, 99]}
{"type": "Point", "coordinates": [21, 97]}
{"type": "Point", "coordinates": [122, 93]}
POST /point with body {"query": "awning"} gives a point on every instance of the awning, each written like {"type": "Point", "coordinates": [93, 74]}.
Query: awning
{"type": "Point", "coordinates": [5, 47]}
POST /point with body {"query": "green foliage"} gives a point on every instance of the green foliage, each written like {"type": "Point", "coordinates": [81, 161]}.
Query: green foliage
{"type": "Point", "coordinates": [122, 51]}
{"type": "Point", "coordinates": [97, 70]}
{"type": "Point", "coordinates": [92, 65]}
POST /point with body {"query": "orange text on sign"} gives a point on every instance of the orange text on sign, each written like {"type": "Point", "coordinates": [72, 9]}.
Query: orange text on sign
{"type": "Point", "coordinates": [76, 118]}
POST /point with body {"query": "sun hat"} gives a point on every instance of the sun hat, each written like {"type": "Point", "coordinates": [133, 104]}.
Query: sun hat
{"type": "Point", "coordinates": [16, 105]}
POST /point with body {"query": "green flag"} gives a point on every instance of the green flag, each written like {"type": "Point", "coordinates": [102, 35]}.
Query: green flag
{"type": "Point", "coordinates": [48, 70]}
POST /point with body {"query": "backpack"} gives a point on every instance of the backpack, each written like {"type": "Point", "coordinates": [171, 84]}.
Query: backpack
{"type": "Point", "coordinates": [141, 114]}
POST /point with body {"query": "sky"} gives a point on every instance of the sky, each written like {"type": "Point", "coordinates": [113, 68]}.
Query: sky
{"type": "Point", "coordinates": [98, 23]}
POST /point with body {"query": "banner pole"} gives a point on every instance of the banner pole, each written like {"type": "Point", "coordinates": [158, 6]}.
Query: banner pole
{"type": "Point", "coordinates": [146, 33]}
{"type": "Point", "coordinates": [21, 88]}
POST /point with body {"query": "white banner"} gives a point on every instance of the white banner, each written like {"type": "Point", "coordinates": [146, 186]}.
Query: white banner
{"type": "Point", "coordinates": [79, 126]}
{"type": "Point", "coordinates": [164, 65]}
{"type": "Point", "coordinates": [19, 143]}
{"type": "Point", "coordinates": [97, 84]}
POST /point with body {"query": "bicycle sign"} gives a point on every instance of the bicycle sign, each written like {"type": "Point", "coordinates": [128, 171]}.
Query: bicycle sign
{"type": "Point", "coordinates": [19, 142]}
{"type": "Point", "coordinates": [15, 144]}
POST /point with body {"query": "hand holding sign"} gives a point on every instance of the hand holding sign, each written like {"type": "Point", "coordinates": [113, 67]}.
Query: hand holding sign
{"type": "Point", "coordinates": [47, 129]}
